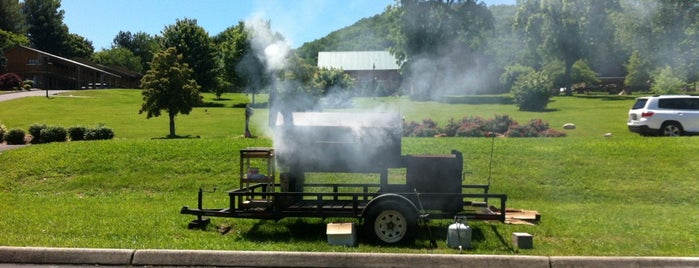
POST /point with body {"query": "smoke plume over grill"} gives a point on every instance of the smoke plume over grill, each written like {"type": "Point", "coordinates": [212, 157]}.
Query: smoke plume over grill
{"type": "Point", "coordinates": [320, 141]}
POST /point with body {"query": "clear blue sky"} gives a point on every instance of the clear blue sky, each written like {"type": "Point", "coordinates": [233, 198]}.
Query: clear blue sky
{"type": "Point", "coordinates": [299, 21]}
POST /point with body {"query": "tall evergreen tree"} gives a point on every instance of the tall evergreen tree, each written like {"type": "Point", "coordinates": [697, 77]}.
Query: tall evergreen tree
{"type": "Point", "coordinates": [45, 27]}
{"type": "Point", "coordinates": [11, 18]}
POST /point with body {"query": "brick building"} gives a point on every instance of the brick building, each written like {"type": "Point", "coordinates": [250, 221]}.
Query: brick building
{"type": "Point", "coordinates": [54, 72]}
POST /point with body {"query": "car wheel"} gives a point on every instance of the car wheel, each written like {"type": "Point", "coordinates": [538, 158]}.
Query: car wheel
{"type": "Point", "coordinates": [671, 129]}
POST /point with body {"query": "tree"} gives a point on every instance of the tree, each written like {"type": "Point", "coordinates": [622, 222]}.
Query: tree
{"type": "Point", "coordinates": [260, 54]}
{"type": "Point", "coordinates": [232, 45]}
{"type": "Point", "coordinates": [440, 44]}
{"type": "Point", "coordinates": [11, 19]}
{"type": "Point", "coordinates": [119, 56]}
{"type": "Point", "coordinates": [9, 40]}
{"type": "Point", "coordinates": [168, 86]}
{"type": "Point", "coordinates": [197, 49]}
{"type": "Point", "coordinates": [665, 33]}
{"type": "Point", "coordinates": [638, 73]}
{"type": "Point", "coordinates": [45, 26]}
{"type": "Point", "coordinates": [553, 29]}
{"type": "Point", "coordinates": [334, 85]}
{"type": "Point", "coordinates": [512, 72]}
{"type": "Point", "coordinates": [601, 48]}
{"type": "Point", "coordinates": [141, 45]}
{"type": "Point", "coordinates": [79, 47]}
{"type": "Point", "coordinates": [582, 73]}
{"type": "Point", "coordinates": [666, 81]}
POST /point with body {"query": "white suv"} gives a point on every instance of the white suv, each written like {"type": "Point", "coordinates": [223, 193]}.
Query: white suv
{"type": "Point", "coordinates": [668, 115]}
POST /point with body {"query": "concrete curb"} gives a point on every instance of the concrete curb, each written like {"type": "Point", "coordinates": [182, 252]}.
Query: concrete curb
{"type": "Point", "coordinates": [26, 255]}
{"type": "Point", "coordinates": [614, 262]}
{"type": "Point", "coordinates": [203, 258]}
{"type": "Point", "coordinates": [326, 259]}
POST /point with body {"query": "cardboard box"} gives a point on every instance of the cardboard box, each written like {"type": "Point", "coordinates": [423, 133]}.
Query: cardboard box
{"type": "Point", "coordinates": [523, 240]}
{"type": "Point", "coordinates": [343, 234]}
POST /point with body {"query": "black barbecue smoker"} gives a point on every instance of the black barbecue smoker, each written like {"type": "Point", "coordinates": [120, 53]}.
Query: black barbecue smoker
{"type": "Point", "coordinates": [272, 181]}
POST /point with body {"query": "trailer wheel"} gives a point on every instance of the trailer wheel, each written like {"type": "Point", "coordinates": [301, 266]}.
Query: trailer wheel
{"type": "Point", "coordinates": [391, 222]}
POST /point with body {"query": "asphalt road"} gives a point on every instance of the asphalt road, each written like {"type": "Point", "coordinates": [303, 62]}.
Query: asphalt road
{"type": "Point", "coordinates": [33, 93]}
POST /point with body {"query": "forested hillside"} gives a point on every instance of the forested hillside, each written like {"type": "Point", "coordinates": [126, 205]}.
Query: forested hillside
{"type": "Point", "coordinates": [651, 45]}
{"type": "Point", "coordinates": [366, 34]}
{"type": "Point", "coordinates": [445, 48]}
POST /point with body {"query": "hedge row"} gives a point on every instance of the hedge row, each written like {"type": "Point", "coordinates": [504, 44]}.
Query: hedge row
{"type": "Point", "coordinates": [471, 126]}
{"type": "Point", "coordinates": [42, 133]}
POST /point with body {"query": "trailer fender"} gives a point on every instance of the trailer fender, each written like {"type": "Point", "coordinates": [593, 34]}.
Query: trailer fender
{"type": "Point", "coordinates": [390, 219]}
{"type": "Point", "coordinates": [389, 196]}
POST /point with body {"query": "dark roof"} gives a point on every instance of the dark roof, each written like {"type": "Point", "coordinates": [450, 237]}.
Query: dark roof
{"type": "Point", "coordinates": [69, 61]}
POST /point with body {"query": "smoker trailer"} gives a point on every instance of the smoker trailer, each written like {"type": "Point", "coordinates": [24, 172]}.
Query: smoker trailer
{"type": "Point", "coordinates": [322, 143]}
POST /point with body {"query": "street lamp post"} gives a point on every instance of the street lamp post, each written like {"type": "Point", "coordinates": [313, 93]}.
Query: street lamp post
{"type": "Point", "coordinates": [46, 77]}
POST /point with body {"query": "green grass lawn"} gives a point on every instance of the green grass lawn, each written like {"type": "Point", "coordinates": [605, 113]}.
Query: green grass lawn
{"type": "Point", "coordinates": [625, 195]}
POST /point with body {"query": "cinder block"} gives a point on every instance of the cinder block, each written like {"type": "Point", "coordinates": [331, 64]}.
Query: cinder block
{"type": "Point", "coordinates": [523, 240]}
{"type": "Point", "coordinates": [343, 234]}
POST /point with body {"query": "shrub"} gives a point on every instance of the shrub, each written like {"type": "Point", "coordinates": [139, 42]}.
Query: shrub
{"type": "Point", "coordinates": [539, 125]}
{"type": "Point", "coordinates": [35, 131]}
{"type": "Point", "coordinates": [521, 131]}
{"type": "Point", "coordinates": [471, 127]}
{"type": "Point", "coordinates": [3, 130]}
{"type": "Point", "coordinates": [409, 128]}
{"type": "Point", "coordinates": [498, 124]}
{"type": "Point", "coordinates": [552, 133]}
{"type": "Point", "coordinates": [10, 81]}
{"type": "Point", "coordinates": [76, 133]}
{"type": "Point", "coordinates": [99, 133]}
{"type": "Point", "coordinates": [53, 134]}
{"type": "Point", "coordinates": [478, 127]}
{"type": "Point", "coordinates": [451, 127]}
{"type": "Point", "coordinates": [15, 136]}
{"type": "Point", "coordinates": [470, 130]}
{"type": "Point", "coordinates": [424, 131]}
{"type": "Point", "coordinates": [27, 84]}
{"type": "Point", "coordinates": [531, 91]}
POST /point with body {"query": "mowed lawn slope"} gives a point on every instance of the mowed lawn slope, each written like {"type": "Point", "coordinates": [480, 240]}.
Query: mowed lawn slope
{"type": "Point", "coordinates": [623, 195]}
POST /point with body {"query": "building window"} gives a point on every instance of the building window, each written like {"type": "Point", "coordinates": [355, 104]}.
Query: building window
{"type": "Point", "coordinates": [32, 62]}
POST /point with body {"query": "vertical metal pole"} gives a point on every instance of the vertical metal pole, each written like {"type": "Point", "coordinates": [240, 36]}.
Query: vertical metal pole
{"type": "Point", "coordinates": [200, 201]}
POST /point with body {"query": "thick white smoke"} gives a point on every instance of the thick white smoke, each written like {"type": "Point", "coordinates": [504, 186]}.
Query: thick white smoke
{"type": "Point", "coordinates": [320, 141]}
{"type": "Point", "coordinates": [268, 46]}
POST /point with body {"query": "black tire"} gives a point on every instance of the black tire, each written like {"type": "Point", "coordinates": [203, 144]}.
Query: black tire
{"type": "Point", "coordinates": [391, 222]}
{"type": "Point", "coordinates": [671, 129]}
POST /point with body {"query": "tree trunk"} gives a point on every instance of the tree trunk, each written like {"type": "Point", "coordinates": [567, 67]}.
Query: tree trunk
{"type": "Point", "coordinates": [172, 125]}
{"type": "Point", "coordinates": [568, 76]}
